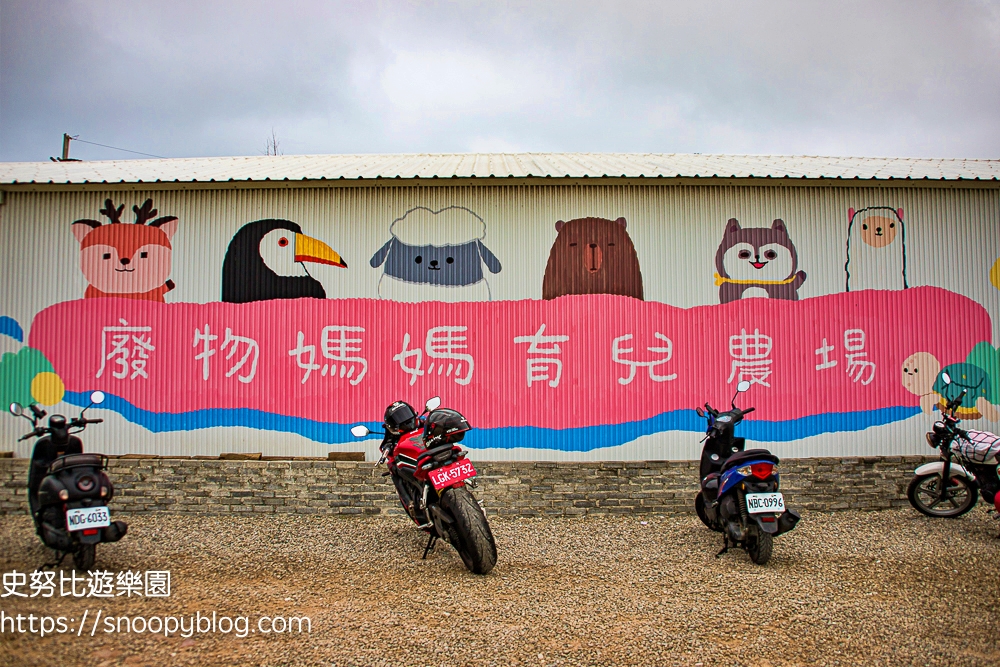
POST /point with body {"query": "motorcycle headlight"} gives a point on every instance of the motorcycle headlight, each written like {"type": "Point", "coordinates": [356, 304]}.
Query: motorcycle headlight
{"type": "Point", "coordinates": [931, 440]}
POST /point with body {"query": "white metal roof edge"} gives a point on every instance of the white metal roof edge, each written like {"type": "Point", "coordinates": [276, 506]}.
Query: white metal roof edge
{"type": "Point", "coordinates": [415, 167]}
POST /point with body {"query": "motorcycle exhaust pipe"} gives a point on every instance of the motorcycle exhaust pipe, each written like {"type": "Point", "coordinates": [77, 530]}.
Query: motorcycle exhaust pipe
{"type": "Point", "coordinates": [787, 521]}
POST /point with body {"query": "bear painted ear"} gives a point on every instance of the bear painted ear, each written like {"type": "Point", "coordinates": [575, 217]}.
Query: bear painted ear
{"type": "Point", "coordinates": [622, 222]}
{"type": "Point", "coordinates": [559, 225]}
{"type": "Point", "coordinates": [779, 226]}
{"type": "Point", "coordinates": [733, 226]}
{"type": "Point", "coordinates": [850, 214]}
{"type": "Point", "coordinates": [899, 212]}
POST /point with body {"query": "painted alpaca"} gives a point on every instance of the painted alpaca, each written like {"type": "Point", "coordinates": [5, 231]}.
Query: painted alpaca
{"type": "Point", "coordinates": [126, 261]}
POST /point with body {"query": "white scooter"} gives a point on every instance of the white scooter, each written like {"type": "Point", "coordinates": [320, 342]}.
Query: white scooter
{"type": "Point", "coordinates": [969, 462]}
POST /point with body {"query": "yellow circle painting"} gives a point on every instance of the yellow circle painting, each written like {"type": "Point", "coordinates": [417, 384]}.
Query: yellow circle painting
{"type": "Point", "coordinates": [47, 388]}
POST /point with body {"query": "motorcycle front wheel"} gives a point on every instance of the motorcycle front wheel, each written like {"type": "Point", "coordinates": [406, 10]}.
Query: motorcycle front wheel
{"type": "Point", "coordinates": [759, 545]}
{"type": "Point", "coordinates": [84, 557]}
{"type": "Point", "coordinates": [470, 534]}
{"type": "Point", "coordinates": [924, 490]}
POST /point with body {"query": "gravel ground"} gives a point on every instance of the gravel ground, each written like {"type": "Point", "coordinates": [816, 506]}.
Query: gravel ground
{"type": "Point", "coordinates": [843, 589]}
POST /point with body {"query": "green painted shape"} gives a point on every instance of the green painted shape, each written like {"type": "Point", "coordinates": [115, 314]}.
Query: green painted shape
{"type": "Point", "coordinates": [16, 373]}
{"type": "Point", "coordinates": [986, 357]}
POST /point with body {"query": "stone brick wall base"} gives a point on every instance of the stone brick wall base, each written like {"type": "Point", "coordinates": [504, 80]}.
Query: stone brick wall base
{"type": "Point", "coordinates": [506, 488]}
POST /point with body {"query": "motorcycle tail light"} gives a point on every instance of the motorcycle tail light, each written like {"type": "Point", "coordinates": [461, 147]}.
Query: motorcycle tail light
{"type": "Point", "coordinates": [761, 470]}
{"type": "Point", "coordinates": [63, 494]}
{"type": "Point", "coordinates": [90, 531]}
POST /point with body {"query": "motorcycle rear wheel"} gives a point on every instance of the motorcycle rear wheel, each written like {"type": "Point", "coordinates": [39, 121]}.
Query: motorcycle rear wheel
{"type": "Point", "coordinates": [470, 534]}
{"type": "Point", "coordinates": [923, 491]}
{"type": "Point", "coordinates": [759, 545]}
{"type": "Point", "coordinates": [84, 557]}
{"type": "Point", "coordinates": [699, 507]}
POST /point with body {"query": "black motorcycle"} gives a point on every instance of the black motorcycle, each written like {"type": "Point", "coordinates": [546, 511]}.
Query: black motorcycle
{"type": "Point", "coordinates": [969, 461]}
{"type": "Point", "coordinates": [69, 491]}
{"type": "Point", "coordinates": [739, 488]}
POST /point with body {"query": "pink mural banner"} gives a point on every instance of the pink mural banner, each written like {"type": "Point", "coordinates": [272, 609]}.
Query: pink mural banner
{"type": "Point", "coordinates": [570, 362]}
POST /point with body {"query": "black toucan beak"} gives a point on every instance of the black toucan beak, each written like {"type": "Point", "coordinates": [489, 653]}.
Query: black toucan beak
{"type": "Point", "coordinates": [308, 249]}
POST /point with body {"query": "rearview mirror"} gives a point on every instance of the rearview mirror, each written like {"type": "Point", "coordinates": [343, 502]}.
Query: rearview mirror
{"type": "Point", "coordinates": [701, 413]}
{"type": "Point", "coordinates": [946, 378]}
{"type": "Point", "coordinates": [359, 431]}
{"type": "Point", "coordinates": [433, 403]}
{"type": "Point", "coordinates": [97, 397]}
{"type": "Point", "coordinates": [16, 409]}
{"type": "Point", "coordinates": [743, 386]}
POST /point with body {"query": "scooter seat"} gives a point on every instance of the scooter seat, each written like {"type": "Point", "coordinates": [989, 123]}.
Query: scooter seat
{"type": "Point", "coordinates": [76, 460]}
{"type": "Point", "coordinates": [741, 458]}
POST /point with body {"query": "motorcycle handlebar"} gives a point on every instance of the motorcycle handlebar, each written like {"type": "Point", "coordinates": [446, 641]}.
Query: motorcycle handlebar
{"type": "Point", "coordinates": [748, 411]}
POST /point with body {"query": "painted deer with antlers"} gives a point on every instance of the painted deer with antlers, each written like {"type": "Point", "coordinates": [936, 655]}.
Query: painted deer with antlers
{"type": "Point", "coordinates": [129, 261]}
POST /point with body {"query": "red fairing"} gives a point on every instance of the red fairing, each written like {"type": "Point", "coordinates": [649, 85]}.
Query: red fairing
{"type": "Point", "coordinates": [410, 448]}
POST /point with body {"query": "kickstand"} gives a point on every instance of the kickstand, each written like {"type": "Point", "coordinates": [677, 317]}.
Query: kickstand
{"type": "Point", "coordinates": [725, 548]}
{"type": "Point", "coordinates": [57, 563]}
{"type": "Point", "coordinates": [430, 545]}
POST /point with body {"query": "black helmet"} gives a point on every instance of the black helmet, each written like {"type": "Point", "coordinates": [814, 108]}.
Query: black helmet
{"type": "Point", "coordinates": [445, 426]}
{"type": "Point", "coordinates": [400, 418]}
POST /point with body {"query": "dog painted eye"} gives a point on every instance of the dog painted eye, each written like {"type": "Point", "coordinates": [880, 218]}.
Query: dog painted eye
{"type": "Point", "coordinates": [107, 255]}
{"type": "Point", "coordinates": [143, 254]}
{"type": "Point", "coordinates": [864, 226]}
{"type": "Point", "coordinates": [892, 225]}
{"type": "Point", "coordinates": [744, 254]}
{"type": "Point", "coordinates": [770, 254]}
{"type": "Point", "coordinates": [283, 242]}
{"type": "Point", "coordinates": [418, 259]}
{"type": "Point", "coordinates": [450, 260]}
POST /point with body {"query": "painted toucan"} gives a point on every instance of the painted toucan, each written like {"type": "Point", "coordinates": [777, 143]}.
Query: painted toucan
{"type": "Point", "coordinates": [265, 260]}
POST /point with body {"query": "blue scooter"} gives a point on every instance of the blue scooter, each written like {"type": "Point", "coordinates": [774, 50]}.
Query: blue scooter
{"type": "Point", "coordinates": [739, 494]}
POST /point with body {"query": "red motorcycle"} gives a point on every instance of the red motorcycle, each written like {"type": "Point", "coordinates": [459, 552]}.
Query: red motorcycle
{"type": "Point", "coordinates": [432, 477]}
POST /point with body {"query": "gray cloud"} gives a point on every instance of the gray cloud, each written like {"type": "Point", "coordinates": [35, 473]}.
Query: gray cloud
{"type": "Point", "coordinates": [195, 78]}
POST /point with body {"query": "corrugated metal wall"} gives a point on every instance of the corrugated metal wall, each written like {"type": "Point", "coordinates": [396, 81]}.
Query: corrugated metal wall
{"type": "Point", "coordinates": [952, 239]}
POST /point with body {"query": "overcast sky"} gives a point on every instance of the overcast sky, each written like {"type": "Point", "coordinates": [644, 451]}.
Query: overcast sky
{"type": "Point", "coordinates": [176, 79]}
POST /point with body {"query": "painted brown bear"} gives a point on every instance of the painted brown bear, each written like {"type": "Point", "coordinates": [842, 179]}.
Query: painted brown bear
{"type": "Point", "coordinates": [592, 256]}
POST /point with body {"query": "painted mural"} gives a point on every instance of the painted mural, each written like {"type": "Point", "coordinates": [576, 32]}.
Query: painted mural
{"type": "Point", "coordinates": [592, 355]}
{"type": "Point", "coordinates": [130, 261]}
{"type": "Point", "coordinates": [757, 262]}
{"type": "Point", "coordinates": [876, 249]}
{"type": "Point", "coordinates": [267, 260]}
{"type": "Point", "coordinates": [592, 256]}
{"type": "Point", "coordinates": [435, 256]}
